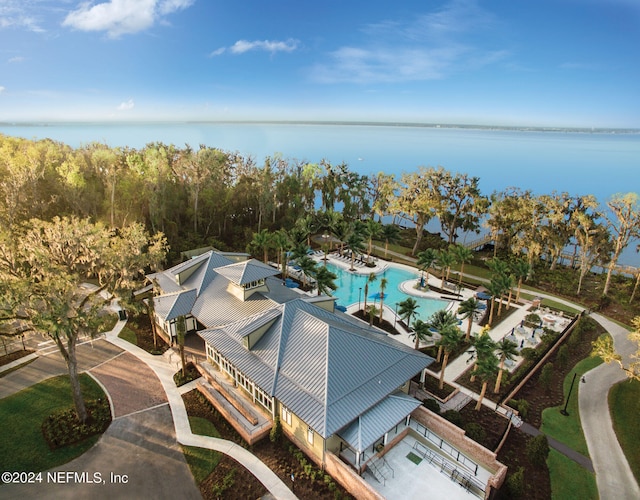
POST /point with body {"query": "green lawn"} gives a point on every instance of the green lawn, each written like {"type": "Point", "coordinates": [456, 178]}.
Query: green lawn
{"type": "Point", "coordinates": [22, 446]}
{"type": "Point", "coordinates": [201, 461]}
{"type": "Point", "coordinates": [128, 335]}
{"type": "Point", "coordinates": [624, 404]}
{"type": "Point", "coordinates": [569, 480]}
{"type": "Point", "coordinates": [568, 429]}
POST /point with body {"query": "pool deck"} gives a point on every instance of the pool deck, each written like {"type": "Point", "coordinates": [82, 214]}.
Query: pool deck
{"type": "Point", "coordinates": [511, 327]}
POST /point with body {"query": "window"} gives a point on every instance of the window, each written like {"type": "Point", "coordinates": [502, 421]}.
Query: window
{"type": "Point", "coordinates": [310, 435]}
{"type": "Point", "coordinates": [263, 399]}
{"type": "Point", "coordinates": [286, 415]}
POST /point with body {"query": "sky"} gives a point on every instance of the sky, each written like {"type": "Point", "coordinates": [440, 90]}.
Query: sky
{"type": "Point", "coordinates": [566, 63]}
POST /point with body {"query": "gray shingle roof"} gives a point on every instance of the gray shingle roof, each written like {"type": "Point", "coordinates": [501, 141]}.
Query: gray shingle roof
{"type": "Point", "coordinates": [324, 368]}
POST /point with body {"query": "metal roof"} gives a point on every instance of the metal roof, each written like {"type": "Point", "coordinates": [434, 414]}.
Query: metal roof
{"type": "Point", "coordinates": [325, 369]}
{"type": "Point", "coordinates": [173, 305]}
{"type": "Point", "coordinates": [376, 421]}
{"type": "Point", "coordinates": [248, 271]}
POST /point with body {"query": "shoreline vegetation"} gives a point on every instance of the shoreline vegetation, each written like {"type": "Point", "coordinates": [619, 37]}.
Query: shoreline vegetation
{"type": "Point", "coordinates": [460, 126]}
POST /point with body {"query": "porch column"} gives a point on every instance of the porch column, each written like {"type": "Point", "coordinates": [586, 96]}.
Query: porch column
{"type": "Point", "coordinates": [384, 440]}
{"type": "Point", "coordinates": [422, 376]}
{"type": "Point", "coordinates": [408, 420]}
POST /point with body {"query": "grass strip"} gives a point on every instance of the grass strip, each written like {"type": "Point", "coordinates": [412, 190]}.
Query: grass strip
{"type": "Point", "coordinates": [128, 335]}
{"type": "Point", "coordinates": [22, 445]}
{"type": "Point", "coordinates": [569, 480]}
{"type": "Point", "coordinates": [202, 461]}
{"type": "Point", "coordinates": [624, 405]}
{"type": "Point", "coordinates": [568, 429]}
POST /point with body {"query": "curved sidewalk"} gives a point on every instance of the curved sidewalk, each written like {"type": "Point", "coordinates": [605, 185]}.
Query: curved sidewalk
{"type": "Point", "coordinates": [614, 478]}
{"type": "Point", "coordinates": [181, 421]}
{"type": "Point", "coordinates": [613, 474]}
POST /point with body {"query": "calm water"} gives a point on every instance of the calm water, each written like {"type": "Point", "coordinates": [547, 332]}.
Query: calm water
{"type": "Point", "coordinates": [578, 163]}
{"type": "Point", "coordinates": [351, 290]}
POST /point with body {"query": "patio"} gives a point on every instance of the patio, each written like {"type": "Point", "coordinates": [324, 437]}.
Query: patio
{"type": "Point", "coordinates": [415, 470]}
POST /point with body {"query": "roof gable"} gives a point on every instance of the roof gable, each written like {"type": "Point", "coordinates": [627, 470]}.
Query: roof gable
{"type": "Point", "coordinates": [242, 273]}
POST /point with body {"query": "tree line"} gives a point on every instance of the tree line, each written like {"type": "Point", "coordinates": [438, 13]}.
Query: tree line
{"type": "Point", "coordinates": [207, 196]}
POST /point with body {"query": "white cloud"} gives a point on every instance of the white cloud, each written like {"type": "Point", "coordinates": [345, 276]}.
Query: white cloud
{"type": "Point", "coordinates": [428, 47]}
{"type": "Point", "coordinates": [2, 89]}
{"type": "Point", "coordinates": [126, 105]}
{"type": "Point", "coordinates": [16, 59]}
{"type": "Point", "coordinates": [120, 17]}
{"type": "Point", "coordinates": [273, 46]}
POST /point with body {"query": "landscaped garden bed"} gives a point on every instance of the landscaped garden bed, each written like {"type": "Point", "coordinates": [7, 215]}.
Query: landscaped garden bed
{"type": "Point", "coordinates": [140, 325]}
{"type": "Point", "coordinates": [283, 458]}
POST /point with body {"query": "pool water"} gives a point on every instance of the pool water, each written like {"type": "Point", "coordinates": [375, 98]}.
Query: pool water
{"type": "Point", "coordinates": [351, 290]}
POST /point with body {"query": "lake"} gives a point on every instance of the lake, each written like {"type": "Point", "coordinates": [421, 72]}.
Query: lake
{"type": "Point", "coordinates": [579, 163]}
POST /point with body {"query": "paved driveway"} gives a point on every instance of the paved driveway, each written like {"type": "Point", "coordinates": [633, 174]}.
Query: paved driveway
{"type": "Point", "coordinates": [137, 457]}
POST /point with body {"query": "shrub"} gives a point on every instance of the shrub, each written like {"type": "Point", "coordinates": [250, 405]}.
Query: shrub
{"type": "Point", "coordinates": [562, 357]}
{"type": "Point", "coordinates": [522, 405]}
{"type": "Point", "coordinates": [538, 450]}
{"type": "Point", "coordinates": [475, 431]}
{"type": "Point", "coordinates": [515, 483]}
{"type": "Point", "coordinates": [546, 375]}
{"type": "Point", "coordinates": [432, 404]}
{"type": "Point", "coordinates": [63, 428]}
{"type": "Point", "coordinates": [453, 416]}
{"type": "Point", "coordinates": [276, 431]}
{"type": "Point", "coordinates": [532, 320]}
{"type": "Point", "coordinates": [529, 353]}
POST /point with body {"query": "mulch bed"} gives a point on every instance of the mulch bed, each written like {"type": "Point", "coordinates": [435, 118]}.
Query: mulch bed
{"type": "Point", "coordinates": [513, 453]}
{"type": "Point", "coordinates": [384, 325]}
{"type": "Point", "coordinates": [276, 456]}
{"type": "Point", "coordinates": [12, 356]}
{"type": "Point", "coordinates": [141, 326]}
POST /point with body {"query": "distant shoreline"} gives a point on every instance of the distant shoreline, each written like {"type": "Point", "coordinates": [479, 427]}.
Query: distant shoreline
{"type": "Point", "coordinates": [579, 130]}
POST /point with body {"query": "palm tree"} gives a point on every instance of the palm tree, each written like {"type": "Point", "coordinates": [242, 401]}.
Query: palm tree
{"type": "Point", "coordinates": [483, 345]}
{"type": "Point", "coordinates": [468, 309]}
{"type": "Point", "coordinates": [463, 255]}
{"type": "Point", "coordinates": [520, 269]}
{"type": "Point", "coordinates": [383, 287]}
{"type": "Point", "coordinates": [282, 241]}
{"type": "Point", "coordinates": [450, 338]}
{"type": "Point", "coordinates": [421, 332]}
{"type": "Point", "coordinates": [495, 288]}
{"type": "Point", "coordinates": [372, 277]}
{"type": "Point", "coordinates": [426, 259]}
{"type": "Point", "coordinates": [151, 311]}
{"type": "Point", "coordinates": [325, 280]}
{"type": "Point", "coordinates": [506, 350]}
{"type": "Point", "coordinates": [181, 330]}
{"type": "Point", "coordinates": [408, 308]}
{"type": "Point", "coordinates": [307, 267]}
{"type": "Point", "coordinates": [440, 321]}
{"type": "Point", "coordinates": [355, 244]}
{"type": "Point", "coordinates": [445, 260]}
{"type": "Point", "coordinates": [307, 225]}
{"type": "Point", "coordinates": [341, 231]}
{"type": "Point", "coordinates": [373, 229]}
{"type": "Point", "coordinates": [390, 234]}
{"type": "Point", "coordinates": [262, 241]}
{"type": "Point", "coordinates": [486, 368]}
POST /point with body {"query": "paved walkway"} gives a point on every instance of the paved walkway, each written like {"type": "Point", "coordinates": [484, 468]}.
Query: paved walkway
{"type": "Point", "coordinates": [181, 422]}
{"type": "Point", "coordinates": [613, 474]}
{"type": "Point", "coordinates": [143, 440]}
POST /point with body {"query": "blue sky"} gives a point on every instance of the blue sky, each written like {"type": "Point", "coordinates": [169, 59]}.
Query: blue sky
{"type": "Point", "coordinates": [502, 62]}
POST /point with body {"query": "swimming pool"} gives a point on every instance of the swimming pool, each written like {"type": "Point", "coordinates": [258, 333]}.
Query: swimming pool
{"type": "Point", "coordinates": [351, 288]}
